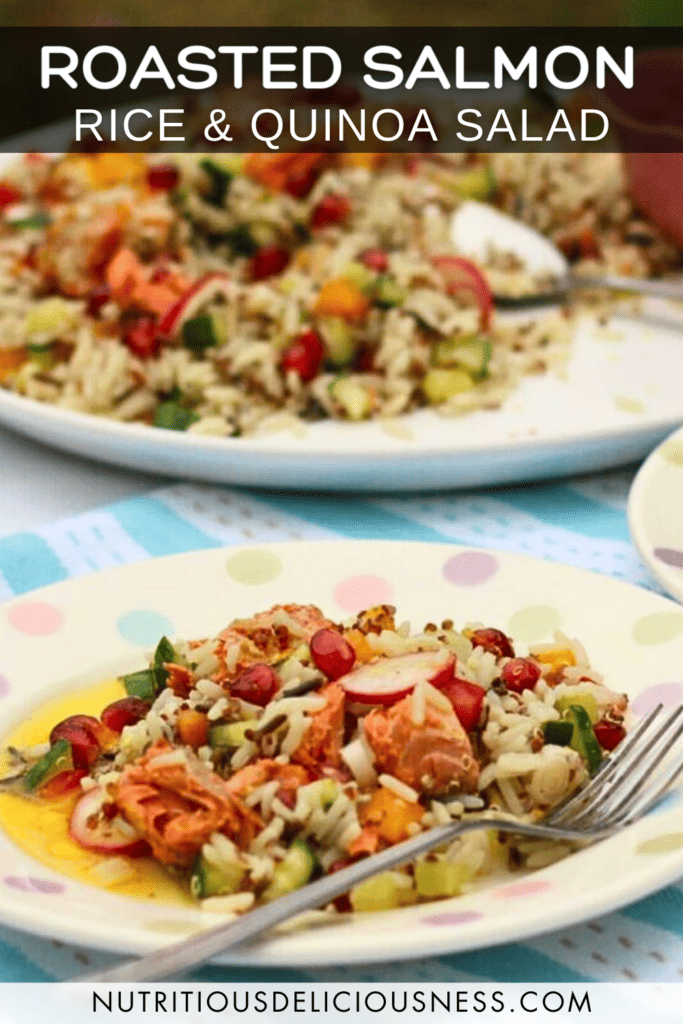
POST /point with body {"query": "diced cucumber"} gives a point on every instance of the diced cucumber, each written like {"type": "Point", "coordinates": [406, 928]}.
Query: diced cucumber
{"type": "Point", "coordinates": [292, 872]}
{"type": "Point", "coordinates": [34, 222]}
{"type": "Point", "coordinates": [584, 700]}
{"type": "Point", "coordinates": [558, 733]}
{"type": "Point", "coordinates": [228, 734]}
{"type": "Point", "coordinates": [171, 416]}
{"type": "Point", "coordinates": [352, 396]}
{"type": "Point", "coordinates": [388, 293]}
{"type": "Point", "coordinates": [49, 318]}
{"type": "Point", "coordinates": [323, 792]}
{"type": "Point", "coordinates": [58, 759]}
{"type": "Point", "coordinates": [472, 354]}
{"type": "Point", "coordinates": [583, 739]}
{"type": "Point", "coordinates": [338, 337]}
{"type": "Point", "coordinates": [219, 181]}
{"type": "Point", "coordinates": [202, 332]}
{"type": "Point", "coordinates": [441, 384]}
{"type": "Point", "coordinates": [359, 275]}
{"type": "Point", "coordinates": [435, 878]}
{"type": "Point", "coordinates": [209, 880]}
{"type": "Point", "coordinates": [382, 892]}
{"type": "Point", "coordinates": [141, 684]}
{"type": "Point", "coordinates": [477, 183]}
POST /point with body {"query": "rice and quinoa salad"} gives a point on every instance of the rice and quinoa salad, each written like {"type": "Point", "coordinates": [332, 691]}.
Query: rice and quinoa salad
{"type": "Point", "coordinates": [289, 746]}
{"type": "Point", "coordinates": [228, 295]}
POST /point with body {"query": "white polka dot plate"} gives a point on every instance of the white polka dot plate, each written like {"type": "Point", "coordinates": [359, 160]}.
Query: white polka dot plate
{"type": "Point", "coordinates": [78, 632]}
{"type": "Point", "coordinates": [655, 513]}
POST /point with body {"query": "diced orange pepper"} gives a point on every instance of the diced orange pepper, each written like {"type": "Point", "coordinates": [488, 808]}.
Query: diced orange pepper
{"type": "Point", "coordinates": [558, 659]}
{"type": "Point", "coordinates": [391, 814]}
{"type": "Point", "coordinates": [193, 727]}
{"type": "Point", "coordinates": [340, 297]}
{"type": "Point", "coordinates": [369, 160]}
{"type": "Point", "coordinates": [115, 168]}
{"type": "Point", "coordinates": [358, 641]}
{"type": "Point", "coordinates": [124, 272]}
{"type": "Point", "coordinates": [11, 359]}
{"type": "Point", "coordinates": [155, 298]}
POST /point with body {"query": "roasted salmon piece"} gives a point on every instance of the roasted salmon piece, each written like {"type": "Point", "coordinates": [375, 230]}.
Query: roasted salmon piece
{"type": "Point", "coordinates": [176, 802]}
{"type": "Point", "coordinates": [266, 637]}
{"type": "Point", "coordinates": [290, 776]}
{"type": "Point", "coordinates": [431, 757]}
{"type": "Point", "coordinates": [324, 737]}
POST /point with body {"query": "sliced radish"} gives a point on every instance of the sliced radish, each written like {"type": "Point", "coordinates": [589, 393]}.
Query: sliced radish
{"type": "Point", "coordinates": [91, 828]}
{"type": "Point", "coordinates": [461, 275]}
{"type": "Point", "coordinates": [195, 298]}
{"type": "Point", "coordinates": [387, 680]}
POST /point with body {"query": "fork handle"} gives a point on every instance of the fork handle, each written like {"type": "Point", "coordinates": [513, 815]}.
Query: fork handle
{"type": "Point", "coordinates": [180, 957]}
{"type": "Point", "coordinates": [614, 282]}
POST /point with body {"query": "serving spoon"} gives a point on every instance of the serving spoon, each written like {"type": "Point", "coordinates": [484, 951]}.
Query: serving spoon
{"type": "Point", "coordinates": [477, 228]}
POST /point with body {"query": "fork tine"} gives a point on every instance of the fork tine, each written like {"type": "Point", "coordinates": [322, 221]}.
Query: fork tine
{"type": "Point", "coordinates": [635, 777]}
{"type": "Point", "coordinates": [654, 769]}
{"type": "Point", "coordinates": [608, 768]}
{"type": "Point", "coordinates": [669, 779]}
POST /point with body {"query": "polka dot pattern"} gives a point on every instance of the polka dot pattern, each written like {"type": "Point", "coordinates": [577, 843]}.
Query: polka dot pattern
{"type": "Point", "coordinates": [359, 592]}
{"type": "Point", "coordinates": [657, 628]}
{"type": "Point", "coordinates": [519, 890]}
{"type": "Point", "coordinates": [669, 556]}
{"type": "Point", "coordinates": [4, 686]}
{"type": "Point", "coordinates": [461, 917]}
{"type": "Point", "coordinates": [667, 694]}
{"type": "Point", "coordinates": [144, 627]}
{"type": "Point", "coordinates": [35, 618]}
{"type": "Point", "coordinates": [534, 623]}
{"type": "Point", "coordinates": [162, 927]}
{"type": "Point", "coordinates": [470, 568]}
{"type": "Point", "coordinates": [668, 843]}
{"type": "Point", "coordinates": [254, 567]}
{"type": "Point", "coordinates": [43, 886]}
{"type": "Point", "coordinates": [672, 451]}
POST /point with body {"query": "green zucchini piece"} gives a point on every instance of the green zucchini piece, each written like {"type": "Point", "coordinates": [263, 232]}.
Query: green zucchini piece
{"type": "Point", "coordinates": [381, 892]}
{"type": "Point", "coordinates": [388, 293]}
{"type": "Point", "coordinates": [357, 273]}
{"type": "Point", "coordinates": [292, 872]}
{"type": "Point", "coordinates": [352, 396]}
{"type": "Point", "coordinates": [209, 880]}
{"type": "Point", "coordinates": [340, 345]}
{"type": "Point", "coordinates": [229, 734]}
{"type": "Point", "coordinates": [558, 733]}
{"type": "Point", "coordinates": [441, 384]}
{"type": "Point", "coordinates": [438, 878]}
{"type": "Point", "coordinates": [34, 222]}
{"type": "Point", "coordinates": [58, 759]}
{"type": "Point", "coordinates": [171, 416]}
{"type": "Point", "coordinates": [141, 684]}
{"type": "Point", "coordinates": [219, 178]}
{"type": "Point", "coordinates": [201, 333]}
{"type": "Point", "coordinates": [478, 183]}
{"type": "Point", "coordinates": [472, 354]}
{"type": "Point", "coordinates": [584, 700]}
{"type": "Point", "coordinates": [583, 739]}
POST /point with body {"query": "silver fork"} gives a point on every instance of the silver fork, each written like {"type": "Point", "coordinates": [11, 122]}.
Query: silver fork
{"type": "Point", "coordinates": [625, 787]}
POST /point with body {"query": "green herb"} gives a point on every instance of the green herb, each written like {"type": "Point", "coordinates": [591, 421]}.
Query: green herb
{"type": "Point", "coordinates": [219, 179]}
{"type": "Point", "coordinates": [171, 416]}
{"type": "Point", "coordinates": [58, 759]}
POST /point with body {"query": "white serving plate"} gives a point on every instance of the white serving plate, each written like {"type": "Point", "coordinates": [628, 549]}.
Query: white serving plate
{"type": "Point", "coordinates": [71, 633]}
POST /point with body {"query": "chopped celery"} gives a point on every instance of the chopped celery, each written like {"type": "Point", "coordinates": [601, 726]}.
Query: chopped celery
{"type": "Point", "coordinates": [229, 734]}
{"type": "Point", "coordinates": [338, 337]}
{"type": "Point", "coordinates": [208, 879]}
{"type": "Point", "coordinates": [434, 878]}
{"type": "Point", "coordinates": [472, 354]}
{"type": "Point", "coordinates": [171, 416]}
{"type": "Point", "coordinates": [353, 397]}
{"type": "Point", "coordinates": [292, 872]}
{"type": "Point", "coordinates": [558, 733]}
{"type": "Point", "coordinates": [584, 700]}
{"type": "Point", "coordinates": [58, 759]}
{"type": "Point", "coordinates": [382, 892]}
{"type": "Point", "coordinates": [388, 293]}
{"type": "Point", "coordinates": [441, 384]}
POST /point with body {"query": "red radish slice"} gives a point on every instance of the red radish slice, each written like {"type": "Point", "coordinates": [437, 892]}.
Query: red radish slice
{"type": "Point", "coordinates": [189, 305]}
{"type": "Point", "coordinates": [90, 828]}
{"type": "Point", "coordinates": [387, 680]}
{"type": "Point", "coordinates": [461, 275]}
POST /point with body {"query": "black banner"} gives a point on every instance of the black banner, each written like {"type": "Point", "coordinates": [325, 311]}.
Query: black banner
{"type": "Point", "coordinates": [282, 90]}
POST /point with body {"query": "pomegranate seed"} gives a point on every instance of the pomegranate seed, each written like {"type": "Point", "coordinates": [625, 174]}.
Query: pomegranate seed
{"type": "Point", "coordinates": [84, 734]}
{"type": "Point", "coordinates": [267, 261]}
{"type": "Point", "coordinates": [332, 209]}
{"type": "Point", "coordinates": [608, 734]}
{"type": "Point", "coordinates": [99, 296]}
{"type": "Point", "coordinates": [142, 338]}
{"type": "Point", "coordinates": [375, 259]}
{"type": "Point", "coordinates": [332, 653]}
{"type": "Point", "coordinates": [8, 195]}
{"type": "Point", "coordinates": [304, 355]}
{"type": "Point", "coordinates": [257, 685]}
{"type": "Point", "coordinates": [163, 177]}
{"type": "Point", "coordinates": [63, 783]}
{"type": "Point", "coordinates": [520, 674]}
{"type": "Point", "coordinates": [493, 640]}
{"type": "Point", "coordinates": [300, 183]}
{"type": "Point", "coordinates": [126, 711]}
